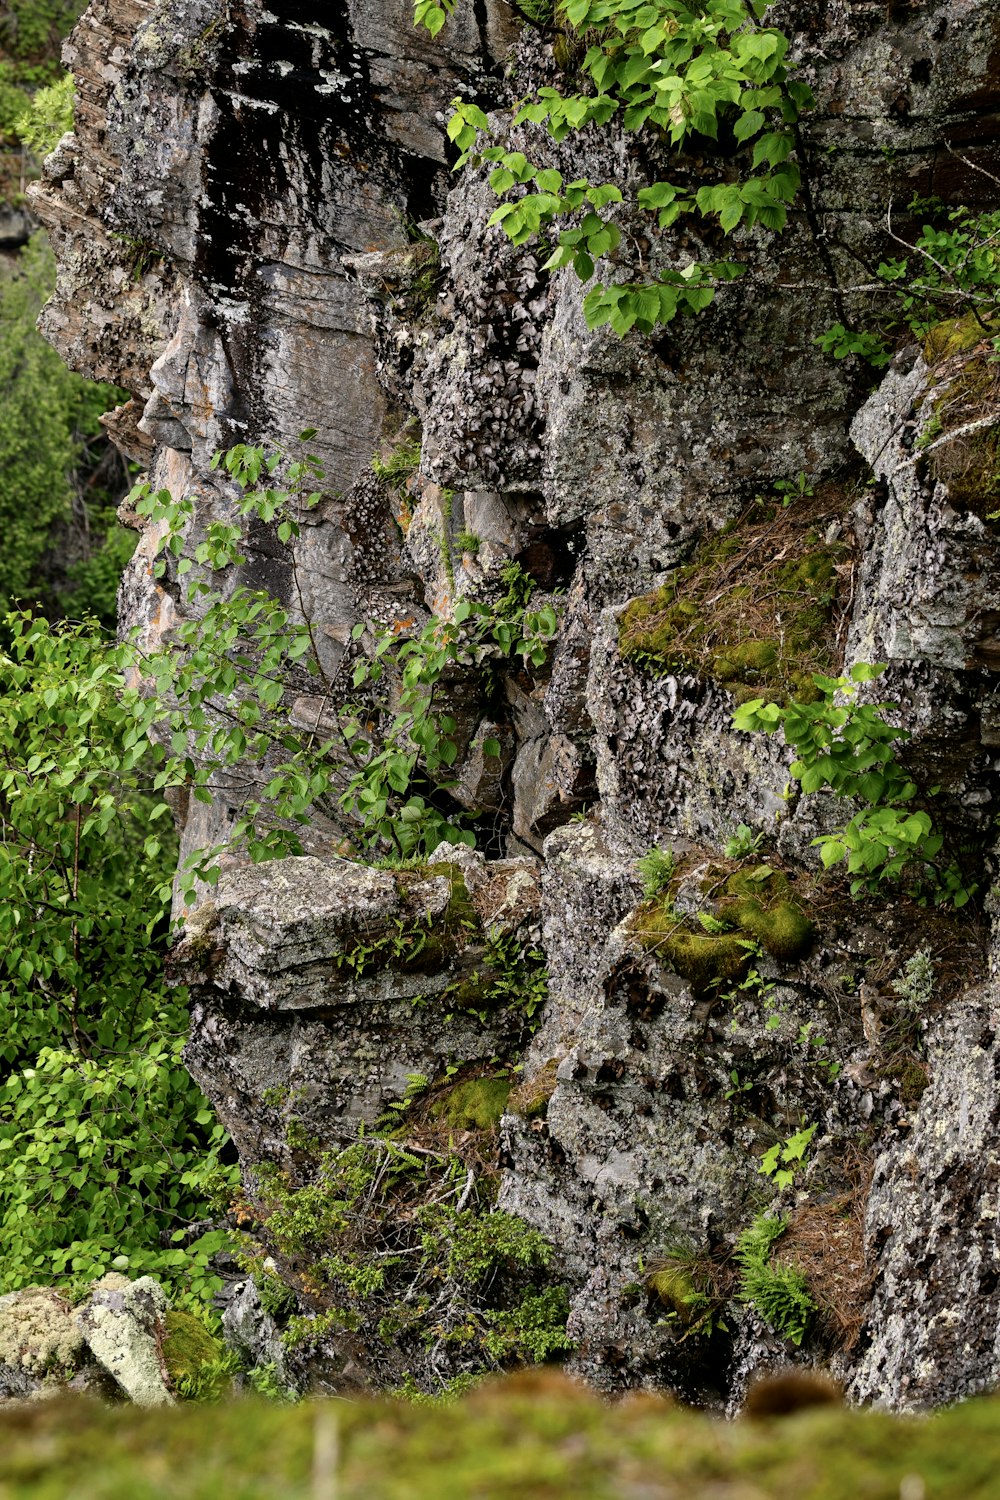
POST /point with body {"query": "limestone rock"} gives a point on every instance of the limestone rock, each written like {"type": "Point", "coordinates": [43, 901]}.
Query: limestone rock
{"type": "Point", "coordinates": [122, 1324]}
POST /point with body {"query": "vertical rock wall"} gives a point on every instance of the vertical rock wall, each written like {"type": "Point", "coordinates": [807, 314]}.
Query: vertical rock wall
{"type": "Point", "coordinates": [234, 220]}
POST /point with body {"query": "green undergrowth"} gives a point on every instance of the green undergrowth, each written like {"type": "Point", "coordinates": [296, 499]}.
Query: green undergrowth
{"type": "Point", "coordinates": [753, 609]}
{"type": "Point", "coordinates": [531, 1438]}
{"type": "Point", "coordinates": [778, 1291]}
{"type": "Point", "coordinates": [749, 909]}
{"type": "Point", "coordinates": [499, 969]}
{"type": "Point", "coordinates": [965, 363]}
{"type": "Point", "coordinates": [403, 1242]}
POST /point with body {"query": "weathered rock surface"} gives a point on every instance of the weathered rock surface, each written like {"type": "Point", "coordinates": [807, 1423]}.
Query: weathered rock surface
{"type": "Point", "coordinates": [113, 1345]}
{"type": "Point", "coordinates": [320, 988]}
{"type": "Point", "coordinates": [122, 1323]}
{"type": "Point", "coordinates": [232, 220]}
{"type": "Point", "coordinates": [932, 1328]}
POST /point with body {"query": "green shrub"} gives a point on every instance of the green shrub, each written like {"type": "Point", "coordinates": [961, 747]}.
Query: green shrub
{"type": "Point", "coordinates": [46, 415]}
{"type": "Point", "coordinates": [106, 1143]}
{"type": "Point", "coordinates": [685, 76]}
{"type": "Point", "coordinates": [386, 768]}
{"type": "Point", "coordinates": [846, 747]}
{"type": "Point", "coordinates": [952, 271]}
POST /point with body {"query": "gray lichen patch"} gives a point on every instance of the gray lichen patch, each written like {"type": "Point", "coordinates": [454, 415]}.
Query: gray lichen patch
{"type": "Point", "coordinates": [123, 1325]}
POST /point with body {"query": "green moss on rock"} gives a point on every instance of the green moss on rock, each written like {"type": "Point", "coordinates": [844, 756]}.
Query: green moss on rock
{"type": "Point", "coordinates": [781, 929]}
{"type": "Point", "coordinates": [531, 1435]}
{"type": "Point", "coordinates": [709, 961]}
{"type": "Point", "coordinates": [753, 905]}
{"type": "Point", "coordinates": [759, 900]}
{"type": "Point", "coordinates": [475, 1105]}
{"type": "Point", "coordinates": [193, 1359]}
{"type": "Point", "coordinates": [672, 1284]}
{"type": "Point", "coordinates": [755, 618]}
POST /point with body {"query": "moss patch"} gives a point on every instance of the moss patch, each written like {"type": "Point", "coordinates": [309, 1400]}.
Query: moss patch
{"type": "Point", "coordinates": [672, 1283]}
{"type": "Point", "coordinates": [708, 961]}
{"type": "Point", "coordinates": [761, 902]}
{"type": "Point", "coordinates": [475, 1105]}
{"type": "Point", "coordinates": [755, 607]}
{"type": "Point", "coordinates": [782, 930]}
{"type": "Point", "coordinates": [754, 905]}
{"type": "Point", "coordinates": [192, 1356]}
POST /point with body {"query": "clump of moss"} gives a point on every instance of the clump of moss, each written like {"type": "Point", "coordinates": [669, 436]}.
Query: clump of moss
{"type": "Point", "coordinates": [757, 619]}
{"type": "Point", "coordinates": [952, 336]}
{"type": "Point", "coordinates": [671, 1282]}
{"type": "Point", "coordinates": [782, 929]}
{"type": "Point", "coordinates": [760, 902]}
{"type": "Point", "coordinates": [475, 1105]}
{"type": "Point", "coordinates": [531, 1098]}
{"type": "Point", "coordinates": [195, 1361]}
{"type": "Point", "coordinates": [708, 961]}
{"type": "Point", "coordinates": [754, 906]}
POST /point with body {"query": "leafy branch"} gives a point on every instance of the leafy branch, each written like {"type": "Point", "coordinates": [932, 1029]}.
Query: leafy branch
{"type": "Point", "coordinates": [693, 74]}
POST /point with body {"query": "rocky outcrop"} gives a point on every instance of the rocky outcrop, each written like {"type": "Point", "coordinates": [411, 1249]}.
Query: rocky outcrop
{"type": "Point", "coordinates": [320, 989]}
{"type": "Point", "coordinates": [256, 234]}
{"type": "Point", "coordinates": [122, 1343]}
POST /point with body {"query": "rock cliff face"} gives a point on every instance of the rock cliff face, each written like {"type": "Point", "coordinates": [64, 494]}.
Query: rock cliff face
{"type": "Point", "coordinates": [244, 220]}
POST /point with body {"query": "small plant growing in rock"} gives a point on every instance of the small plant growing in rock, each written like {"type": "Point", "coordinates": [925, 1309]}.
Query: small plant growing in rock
{"type": "Point", "coordinates": [841, 341]}
{"type": "Point", "coordinates": [684, 1282]}
{"type": "Point", "coordinates": [798, 488]}
{"type": "Point", "coordinates": [785, 1158]}
{"type": "Point", "coordinates": [780, 1293]}
{"type": "Point", "coordinates": [657, 869]}
{"type": "Point", "coordinates": [914, 987]}
{"type": "Point", "coordinates": [742, 844]}
{"type": "Point", "coordinates": [847, 748]}
{"type": "Point", "coordinates": [400, 465]}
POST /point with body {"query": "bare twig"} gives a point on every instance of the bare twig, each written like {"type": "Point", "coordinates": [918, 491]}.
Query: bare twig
{"type": "Point", "coordinates": [974, 165]}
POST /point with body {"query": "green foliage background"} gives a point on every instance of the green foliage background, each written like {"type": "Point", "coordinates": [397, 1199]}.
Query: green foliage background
{"type": "Point", "coordinates": [107, 1149]}
{"type": "Point", "coordinates": [48, 422]}
{"type": "Point", "coordinates": [108, 1152]}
